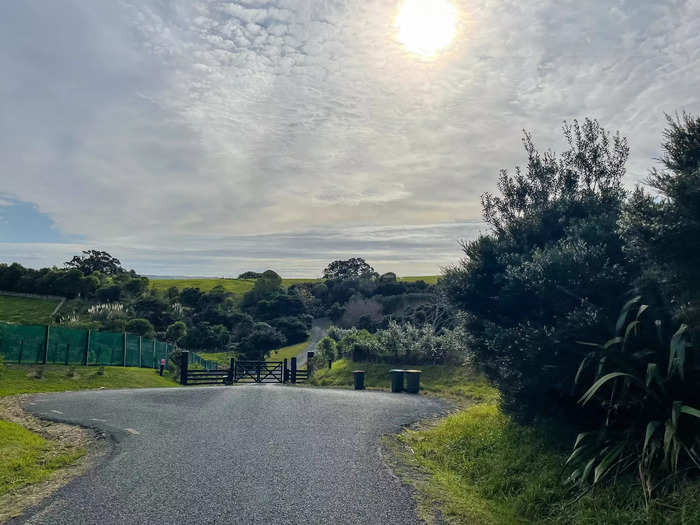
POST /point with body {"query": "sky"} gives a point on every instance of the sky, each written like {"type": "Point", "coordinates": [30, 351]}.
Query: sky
{"type": "Point", "coordinates": [210, 138]}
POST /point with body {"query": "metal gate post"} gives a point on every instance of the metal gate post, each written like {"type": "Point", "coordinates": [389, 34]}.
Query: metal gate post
{"type": "Point", "coordinates": [231, 374]}
{"type": "Point", "coordinates": [257, 372]}
{"type": "Point", "coordinates": [285, 371]}
{"type": "Point", "coordinates": [184, 365]}
{"type": "Point", "coordinates": [294, 370]}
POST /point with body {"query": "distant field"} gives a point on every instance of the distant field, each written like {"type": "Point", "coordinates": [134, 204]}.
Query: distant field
{"type": "Point", "coordinates": [241, 286]}
{"type": "Point", "coordinates": [25, 309]}
{"type": "Point", "coordinates": [430, 279]}
{"type": "Point", "coordinates": [236, 286]}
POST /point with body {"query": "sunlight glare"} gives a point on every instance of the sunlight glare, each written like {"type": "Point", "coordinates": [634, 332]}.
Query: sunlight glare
{"type": "Point", "coordinates": [426, 26]}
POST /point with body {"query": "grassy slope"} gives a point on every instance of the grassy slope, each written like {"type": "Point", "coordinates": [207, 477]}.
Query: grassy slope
{"type": "Point", "coordinates": [236, 286]}
{"type": "Point", "coordinates": [27, 458]}
{"type": "Point", "coordinates": [287, 351]}
{"type": "Point", "coordinates": [224, 358]}
{"type": "Point", "coordinates": [451, 381]}
{"type": "Point", "coordinates": [487, 469]}
{"type": "Point", "coordinates": [18, 379]}
{"type": "Point", "coordinates": [430, 279]}
{"type": "Point", "coordinates": [241, 286]}
{"type": "Point", "coordinates": [25, 309]}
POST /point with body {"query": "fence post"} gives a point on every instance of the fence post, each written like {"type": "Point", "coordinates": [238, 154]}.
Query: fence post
{"type": "Point", "coordinates": [257, 372]}
{"type": "Point", "coordinates": [21, 349]}
{"type": "Point", "coordinates": [87, 349]}
{"type": "Point", "coordinates": [294, 370]}
{"type": "Point", "coordinates": [140, 361]}
{"type": "Point", "coordinates": [235, 370]}
{"type": "Point", "coordinates": [309, 357]}
{"type": "Point", "coordinates": [46, 344]}
{"type": "Point", "coordinates": [124, 350]}
{"type": "Point", "coordinates": [154, 364]}
{"type": "Point", "coordinates": [67, 353]}
{"type": "Point", "coordinates": [184, 364]}
{"type": "Point", "coordinates": [285, 372]}
{"type": "Point", "coordinates": [229, 379]}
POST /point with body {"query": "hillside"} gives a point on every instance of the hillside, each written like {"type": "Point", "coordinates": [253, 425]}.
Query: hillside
{"type": "Point", "coordinates": [241, 286]}
{"type": "Point", "coordinates": [27, 310]}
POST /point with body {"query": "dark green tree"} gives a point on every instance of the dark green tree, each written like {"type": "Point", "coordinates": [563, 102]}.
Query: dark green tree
{"type": "Point", "coordinates": [550, 273]}
{"type": "Point", "coordinates": [141, 327]}
{"type": "Point", "coordinates": [96, 261]}
{"type": "Point", "coordinates": [353, 268]}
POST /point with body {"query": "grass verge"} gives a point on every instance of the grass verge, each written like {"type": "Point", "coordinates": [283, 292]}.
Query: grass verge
{"type": "Point", "coordinates": [26, 379]}
{"type": "Point", "coordinates": [27, 310]}
{"type": "Point", "coordinates": [483, 468]}
{"type": "Point", "coordinates": [26, 457]}
{"type": "Point", "coordinates": [456, 382]}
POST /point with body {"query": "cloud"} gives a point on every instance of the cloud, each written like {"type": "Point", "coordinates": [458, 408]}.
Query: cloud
{"type": "Point", "coordinates": [150, 124]}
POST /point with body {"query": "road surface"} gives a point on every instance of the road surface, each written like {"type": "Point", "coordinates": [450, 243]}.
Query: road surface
{"type": "Point", "coordinates": [239, 454]}
{"type": "Point", "coordinates": [319, 329]}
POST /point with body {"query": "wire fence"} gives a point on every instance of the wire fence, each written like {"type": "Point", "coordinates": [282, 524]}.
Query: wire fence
{"type": "Point", "coordinates": [42, 344]}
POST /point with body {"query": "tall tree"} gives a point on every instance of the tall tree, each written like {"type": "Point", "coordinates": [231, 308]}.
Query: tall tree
{"type": "Point", "coordinates": [96, 261]}
{"type": "Point", "coordinates": [354, 268]}
{"type": "Point", "coordinates": [550, 273]}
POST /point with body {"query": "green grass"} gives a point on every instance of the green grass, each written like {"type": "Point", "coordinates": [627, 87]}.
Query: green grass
{"type": "Point", "coordinates": [26, 310]}
{"type": "Point", "coordinates": [486, 469]}
{"type": "Point", "coordinates": [287, 352]}
{"type": "Point", "coordinates": [236, 286]}
{"type": "Point", "coordinates": [430, 279]}
{"type": "Point", "coordinates": [224, 358]}
{"type": "Point", "coordinates": [20, 379]}
{"type": "Point", "coordinates": [26, 457]}
{"type": "Point", "coordinates": [450, 381]}
{"type": "Point", "coordinates": [241, 286]}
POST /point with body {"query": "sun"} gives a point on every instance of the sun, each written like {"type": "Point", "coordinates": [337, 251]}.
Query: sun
{"type": "Point", "coordinates": [426, 26]}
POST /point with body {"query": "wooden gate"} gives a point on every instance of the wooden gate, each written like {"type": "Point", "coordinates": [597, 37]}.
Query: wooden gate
{"type": "Point", "coordinates": [245, 372]}
{"type": "Point", "coordinates": [258, 372]}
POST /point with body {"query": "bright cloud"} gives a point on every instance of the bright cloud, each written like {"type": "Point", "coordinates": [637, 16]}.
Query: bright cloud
{"type": "Point", "coordinates": [188, 136]}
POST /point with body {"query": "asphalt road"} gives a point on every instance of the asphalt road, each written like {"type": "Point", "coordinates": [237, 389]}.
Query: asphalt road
{"type": "Point", "coordinates": [240, 454]}
{"type": "Point", "coordinates": [319, 329]}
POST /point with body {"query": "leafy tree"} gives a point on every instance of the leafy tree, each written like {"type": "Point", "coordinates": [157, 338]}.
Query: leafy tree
{"type": "Point", "coordinates": [109, 293]}
{"type": "Point", "coordinates": [176, 332]}
{"type": "Point", "coordinates": [136, 286]}
{"type": "Point", "coordinates": [140, 327]}
{"type": "Point", "coordinates": [191, 297]}
{"type": "Point", "coordinates": [258, 343]}
{"type": "Point", "coordinates": [551, 271]}
{"type": "Point", "coordinates": [662, 231]}
{"type": "Point", "coordinates": [96, 261]}
{"type": "Point", "coordinates": [249, 275]}
{"type": "Point", "coordinates": [354, 268]}
{"type": "Point", "coordinates": [293, 329]}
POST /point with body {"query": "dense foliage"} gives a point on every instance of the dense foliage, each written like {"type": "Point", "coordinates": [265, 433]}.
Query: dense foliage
{"type": "Point", "coordinates": [566, 247]}
{"type": "Point", "coordinates": [399, 343]}
{"type": "Point", "coordinates": [550, 273]}
{"type": "Point", "coordinates": [643, 383]}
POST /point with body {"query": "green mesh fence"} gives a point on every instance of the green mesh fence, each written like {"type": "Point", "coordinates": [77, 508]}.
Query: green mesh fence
{"type": "Point", "coordinates": [106, 348]}
{"type": "Point", "coordinates": [132, 350]}
{"type": "Point", "coordinates": [22, 344]}
{"type": "Point", "coordinates": [33, 344]}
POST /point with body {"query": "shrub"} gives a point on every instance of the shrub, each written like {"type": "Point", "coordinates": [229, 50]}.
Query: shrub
{"type": "Point", "coordinates": [549, 273]}
{"type": "Point", "coordinates": [294, 329]}
{"type": "Point", "coordinates": [643, 385]}
{"type": "Point", "coordinates": [141, 327]}
{"type": "Point", "coordinates": [260, 341]}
